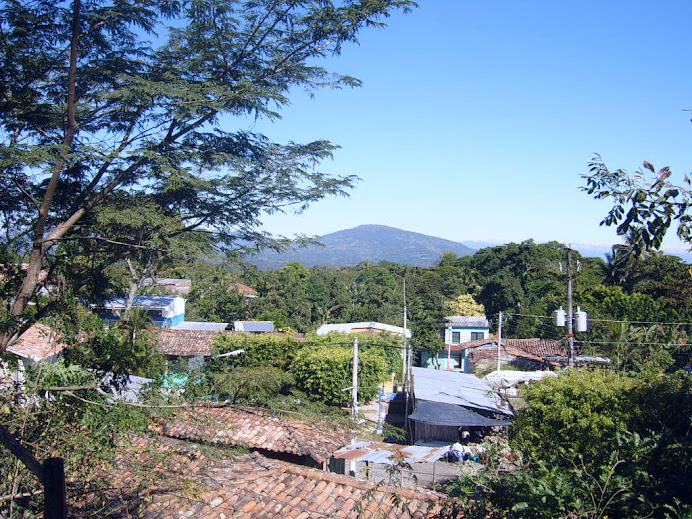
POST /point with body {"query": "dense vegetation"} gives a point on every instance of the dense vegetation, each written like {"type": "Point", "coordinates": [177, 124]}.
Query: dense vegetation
{"type": "Point", "coordinates": [117, 165]}
{"type": "Point", "coordinates": [634, 310]}
{"type": "Point", "coordinates": [594, 445]}
{"type": "Point", "coordinates": [627, 432]}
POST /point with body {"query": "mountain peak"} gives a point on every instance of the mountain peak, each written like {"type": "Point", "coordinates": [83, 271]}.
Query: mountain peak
{"type": "Point", "coordinates": [367, 242]}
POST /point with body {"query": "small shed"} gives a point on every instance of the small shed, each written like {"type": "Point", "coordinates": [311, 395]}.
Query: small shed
{"type": "Point", "coordinates": [164, 311]}
{"type": "Point", "coordinates": [253, 326]}
{"type": "Point", "coordinates": [371, 327]}
{"type": "Point", "coordinates": [437, 421]}
{"type": "Point", "coordinates": [469, 402]}
{"type": "Point", "coordinates": [39, 343]}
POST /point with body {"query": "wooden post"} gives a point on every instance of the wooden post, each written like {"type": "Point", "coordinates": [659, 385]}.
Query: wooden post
{"type": "Point", "coordinates": [54, 488]}
{"type": "Point", "coordinates": [499, 338]}
{"type": "Point", "coordinates": [51, 473]}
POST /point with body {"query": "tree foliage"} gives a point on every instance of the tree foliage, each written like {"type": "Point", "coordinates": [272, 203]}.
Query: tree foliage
{"type": "Point", "coordinates": [111, 106]}
{"type": "Point", "coordinates": [261, 349]}
{"type": "Point", "coordinates": [322, 373]}
{"type": "Point", "coordinates": [645, 205]}
{"type": "Point", "coordinates": [595, 445]}
{"type": "Point", "coordinates": [466, 304]}
{"type": "Point", "coordinates": [58, 424]}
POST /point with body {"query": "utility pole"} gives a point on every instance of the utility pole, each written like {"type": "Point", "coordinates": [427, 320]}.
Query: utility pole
{"type": "Point", "coordinates": [354, 389]}
{"type": "Point", "coordinates": [380, 409]}
{"type": "Point", "coordinates": [499, 338]}
{"type": "Point", "coordinates": [449, 347]}
{"type": "Point", "coordinates": [560, 317]}
{"type": "Point", "coordinates": [404, 350]}
{"type": "Point", "coordinates": [570, 330]}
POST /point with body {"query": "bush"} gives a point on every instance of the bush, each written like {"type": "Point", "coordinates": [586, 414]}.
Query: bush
{"type": "Point", "coordinates": [261, 350]}
{"type": "Point", "coordinates": [323, 372]}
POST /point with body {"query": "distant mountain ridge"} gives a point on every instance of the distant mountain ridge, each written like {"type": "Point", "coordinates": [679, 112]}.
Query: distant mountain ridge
{"type": "Point", "coordinates": [366, 243]}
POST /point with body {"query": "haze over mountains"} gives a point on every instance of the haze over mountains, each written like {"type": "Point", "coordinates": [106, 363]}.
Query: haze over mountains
{"type": "Point", "coordinates": [376, 243]}
{"type": "Point", "coordinates": [366, 243]}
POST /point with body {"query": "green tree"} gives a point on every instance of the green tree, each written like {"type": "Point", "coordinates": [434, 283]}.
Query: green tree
{"type": "Point", "coordinates": [645, 205]}
{"type": "Point", "coordinates": [594, 445]}
{"type": "Point", "coordinates": [103, 99]}
{"type": "Point", "coordinates": [260, 349]}
{"type": "Point", "coordinates": [465, 304]}
{"type": "Point", "coordinates": [323, 372]}
{"type": "Point", "coordinates": [211, 300]}
{"type": "Point", "coordinates": [126, 348]}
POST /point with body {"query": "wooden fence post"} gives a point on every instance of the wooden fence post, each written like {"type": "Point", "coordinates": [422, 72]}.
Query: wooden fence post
{"type": "Point", "coordinates": [51, 473]}
{"type": "Point", "coordinates": [54, 489]}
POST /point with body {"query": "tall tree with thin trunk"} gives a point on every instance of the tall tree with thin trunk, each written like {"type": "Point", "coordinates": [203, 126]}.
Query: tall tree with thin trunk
{"type": "Point", "coordinates": [145, 101]}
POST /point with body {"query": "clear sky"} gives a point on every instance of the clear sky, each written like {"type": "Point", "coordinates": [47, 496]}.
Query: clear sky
{"type": "Point", "coordinates": [477, 119]}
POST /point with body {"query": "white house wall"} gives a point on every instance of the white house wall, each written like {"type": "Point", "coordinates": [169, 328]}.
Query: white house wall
{"type": "Point", "coordinates": [465, 334]}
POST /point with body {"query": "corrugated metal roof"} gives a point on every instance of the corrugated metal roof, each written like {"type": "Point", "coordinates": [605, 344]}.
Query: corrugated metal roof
{"type": "Point", "coordinates": [198, 325]}
{"type": "Point", "coordinates": [148, 302]}
{"type": "Point", "coordinates": [451, 387]}
{"type": "Point", "coordinates": [253, 326]}
{"type": "Point", "coordinates": [507, 379]}
{"type": "Point", "coordinates": [379, 452]}
{"type": "Point", "coordinates": [466, 321]}
{"type": "Point", "coordinates": [371, 325]}
{"type": "Point", "coordinates": [438, 413]}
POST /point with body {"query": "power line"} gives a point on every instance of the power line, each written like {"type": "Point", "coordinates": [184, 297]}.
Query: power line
{"type": "Point", "coordinates": [548, 317]}
{"type": "Point", "coordinates": [626, 341]}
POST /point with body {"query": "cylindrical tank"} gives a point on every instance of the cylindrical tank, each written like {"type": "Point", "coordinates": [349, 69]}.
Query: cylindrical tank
{"type": "Point", "coordinates": [582, 320]}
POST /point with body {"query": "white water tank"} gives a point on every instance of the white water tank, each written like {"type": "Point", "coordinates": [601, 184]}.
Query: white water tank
{"type": "Point", "coordinates": [582, 320]}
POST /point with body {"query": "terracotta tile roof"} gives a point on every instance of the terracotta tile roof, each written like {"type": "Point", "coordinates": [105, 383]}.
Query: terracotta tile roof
{"type": "Point", "coordinates": [472, 344]}
{"type": "Point", "coordinates": [193, 343]}
{"type": "Point", "coordinates": [536, 349]}
{"type": "Point", "coordinates": [184, 343]}
{"type": "Point", "coordinates": [254, 428]}
{"type": "Point", "coordinates": [242, 289]}
{"type": "Point", "coordinates": [37, 343]}
{"type": "Point", "coordinates": [163, 478]}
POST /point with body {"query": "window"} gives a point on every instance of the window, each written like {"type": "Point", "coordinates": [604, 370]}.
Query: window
{"type": "Point", "coordinates": [456, 337]}
{"type": "Point", "coordinates": [475, 336]}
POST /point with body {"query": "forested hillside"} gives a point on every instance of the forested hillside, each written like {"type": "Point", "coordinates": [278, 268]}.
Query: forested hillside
{"type": "Point", "coordinates": [638, 303]}
{"type": "Point", "coordinates": [365, 243]}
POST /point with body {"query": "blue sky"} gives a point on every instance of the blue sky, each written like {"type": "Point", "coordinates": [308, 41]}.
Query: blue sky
{"type": "Point", "coordinates": [476, 120]}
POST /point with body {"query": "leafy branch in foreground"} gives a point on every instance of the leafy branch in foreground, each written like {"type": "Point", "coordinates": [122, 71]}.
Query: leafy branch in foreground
{"type": "Point", "coordinates": [645, 205]}
{"type": "Point", "coordinates": [105, 101]}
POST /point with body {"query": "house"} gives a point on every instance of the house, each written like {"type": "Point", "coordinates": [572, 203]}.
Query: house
{"type": "Point", "coordinates": [364, 327]}
{"type": "Point", "coordinates": [39, 343]}
{"type": "Point", "coordinates": [169, 285]}
{"type": "Point", "coordinates": [243, 290]}
{"type": "Point", "coordinates": [445, 401]}
{"type": "Point", "coordinates": [175, 342]}
{"type": "Point", "coordinates": [164, 311]}
{"type": "Point", "coordinates": [252, 326]}
{"type": "Point", "coordinates": [154, 478]}
{"type": "Point", "coordinates": [457, 330]}
{"type": "Point", "coordinates": [275, 436]}
{"type": "Point", "coordinates": [525, 354]}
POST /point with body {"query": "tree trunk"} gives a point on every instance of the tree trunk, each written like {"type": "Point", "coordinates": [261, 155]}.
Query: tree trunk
{"type": "Point", "coordinates": [41, 245]}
